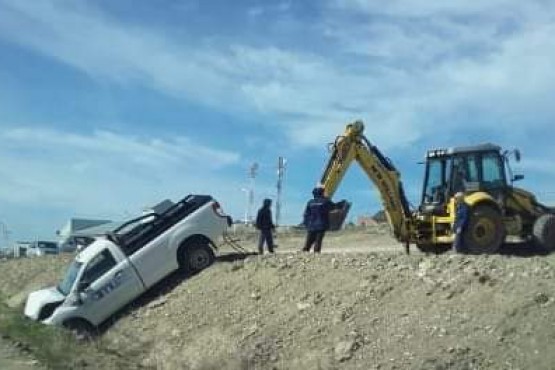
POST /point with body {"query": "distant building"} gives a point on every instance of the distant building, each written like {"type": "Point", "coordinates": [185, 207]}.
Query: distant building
{"type": "Point", "coordinates": [76, 227]}
{"type": "Point", "coordinates": [76, 224]}
{"type": "Point", "coordinates": [159, 208]}
{"type": "Point", "coordinates": [380, 217]}
{"type": "Point", "coordinates": [20, 249]}
{"type": "Point", "coordinates": [81, 232]}
{"type": "Point", "coordinates": [366, 221]}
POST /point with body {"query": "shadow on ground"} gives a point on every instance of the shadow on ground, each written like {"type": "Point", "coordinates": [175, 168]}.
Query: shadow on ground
{"type": "Point", "coordinates": [233, 257]}
{"type": "Point", "coordinates": [517, 249]}
{"type": "Point", "coordinates": [525, 249]}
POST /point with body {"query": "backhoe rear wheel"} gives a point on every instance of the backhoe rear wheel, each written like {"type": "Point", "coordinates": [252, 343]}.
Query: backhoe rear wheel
{"type": "Point", "coordinates": [485, 232]}
{"type": "Point", "coordinates": [544, 232]}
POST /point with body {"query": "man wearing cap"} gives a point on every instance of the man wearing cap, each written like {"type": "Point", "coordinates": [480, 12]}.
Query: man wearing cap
{"type": "Point", "coordinates": [316, 219]}
{"type": "Point", "coordinates": [462, 214]}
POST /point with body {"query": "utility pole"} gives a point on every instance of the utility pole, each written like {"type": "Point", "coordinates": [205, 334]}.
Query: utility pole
{"type": "Point", "coordinates": [5, 234]}
{"type": "Point", "coordinates": [247, 206]}
{"type": "Point", "coordinates": [281, 174]}
{"type": "Point", "coordinates": [253, 171]}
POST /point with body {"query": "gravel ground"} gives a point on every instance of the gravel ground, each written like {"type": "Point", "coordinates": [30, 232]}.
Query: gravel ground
{"type": "Point", "coordinates": [362, 305]}
{"type": "Point", "coordinates": [16, 356]}
{"type": "Point", "coordinates": [358, 311]}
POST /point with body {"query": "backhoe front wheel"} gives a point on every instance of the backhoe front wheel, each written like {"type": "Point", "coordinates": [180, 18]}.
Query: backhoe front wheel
{"type": "Point", "coordinates": [484, 233]}
{"type": "Point", "coordinates": [544, 232]}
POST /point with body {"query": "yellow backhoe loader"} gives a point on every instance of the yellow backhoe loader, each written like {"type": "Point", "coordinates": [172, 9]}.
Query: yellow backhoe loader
{"type": "Point", "coordinates": [498, 209]}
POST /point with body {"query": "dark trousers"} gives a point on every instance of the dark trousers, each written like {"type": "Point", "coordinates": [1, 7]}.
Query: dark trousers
{"type": "Point", "coordinates": [314, 238]}
{"type": "Point", "coordinates": [266, 237]}
{"type": "Point", "coordinates": [458, 243]}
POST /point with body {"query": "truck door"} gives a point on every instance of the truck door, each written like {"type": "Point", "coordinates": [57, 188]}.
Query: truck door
{"type": "Point", "coordinates": [107, 286]}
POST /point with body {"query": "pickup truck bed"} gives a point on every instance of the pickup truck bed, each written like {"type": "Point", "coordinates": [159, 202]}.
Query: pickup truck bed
{"type": "Point", "coordinates": [142, 233]}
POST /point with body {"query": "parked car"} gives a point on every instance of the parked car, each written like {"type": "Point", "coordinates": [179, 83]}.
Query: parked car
{"type": "Point", "coordinates": [41, 248]}
{"type": "Point", "coordinates": [119, 267]}
{"type": "Point", "coordinates": [75, 243]}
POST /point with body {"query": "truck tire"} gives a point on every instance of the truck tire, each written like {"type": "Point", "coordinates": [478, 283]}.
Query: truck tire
{"type": "Point", "coordinates": [81, 329]}
{"type": "Point", "coordinates": [195, 257]}
{"type": "Point", "coordinates": [485, 231]}
{"type": "Point", "coordinates": [544, 232]}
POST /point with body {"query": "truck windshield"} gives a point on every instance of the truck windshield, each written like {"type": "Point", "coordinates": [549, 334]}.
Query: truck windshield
{"type": "Point", "coordinates": [69, 278]}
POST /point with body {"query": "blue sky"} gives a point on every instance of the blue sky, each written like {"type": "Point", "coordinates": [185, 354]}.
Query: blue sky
{"type": "Point", "coordinates": [109, 106]}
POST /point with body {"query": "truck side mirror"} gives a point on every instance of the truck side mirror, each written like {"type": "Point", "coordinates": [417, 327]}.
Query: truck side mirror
{"type": "Point", "coordinates": [518, 177]}
{"type": "Point", "coordinates": [74, 299]}
{"type": "Point", "coordinates": [83, 285]}
{"type": "Point", "coordinates": [517, 155]}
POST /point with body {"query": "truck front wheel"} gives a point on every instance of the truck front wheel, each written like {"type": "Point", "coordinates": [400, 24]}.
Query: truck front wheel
{"type": "Point", "coordinates": [81, 329]}
{"type": "Point", "coordinates": [194, 257]}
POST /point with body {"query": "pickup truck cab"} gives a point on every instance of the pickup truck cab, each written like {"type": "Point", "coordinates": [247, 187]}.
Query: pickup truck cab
{"type": "Point", "coordinates": [119, 267]}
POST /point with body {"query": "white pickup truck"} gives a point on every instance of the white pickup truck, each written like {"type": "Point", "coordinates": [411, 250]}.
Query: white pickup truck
{"type": "Point", "coordinates": [117, 268]}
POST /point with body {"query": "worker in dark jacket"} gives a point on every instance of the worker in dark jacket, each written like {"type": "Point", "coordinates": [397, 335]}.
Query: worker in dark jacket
{"type": "Point", "coordinates": [265, 224]}
{"type": "Point", "coordinates": [462, 215]}
{"type": "Point", "coordinates": [316, 219]}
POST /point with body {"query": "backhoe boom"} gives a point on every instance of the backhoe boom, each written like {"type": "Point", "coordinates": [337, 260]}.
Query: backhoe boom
{"type": "Point", "coordinates": [354, 146]}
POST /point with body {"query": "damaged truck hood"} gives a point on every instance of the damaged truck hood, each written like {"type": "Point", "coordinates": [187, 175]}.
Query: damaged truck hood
{"type": "Point", "coordinates": [37, 300]}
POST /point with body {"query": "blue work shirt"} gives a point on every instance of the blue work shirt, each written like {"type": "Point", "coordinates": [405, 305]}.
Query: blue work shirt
{"type": "Point", "coordinates": [316, 214]}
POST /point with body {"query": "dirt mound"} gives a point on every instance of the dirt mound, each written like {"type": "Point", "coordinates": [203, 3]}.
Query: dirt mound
{"type": "Point", "coordinates": [351, 312]}
{"type": "Point", "coordinates": [373, 310]}
{"type": "Point", "coordinates": [22, 276]}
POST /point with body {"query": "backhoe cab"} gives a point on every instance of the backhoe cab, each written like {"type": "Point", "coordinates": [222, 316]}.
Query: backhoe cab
{"type": "Point", "coordinates": [481, 172]}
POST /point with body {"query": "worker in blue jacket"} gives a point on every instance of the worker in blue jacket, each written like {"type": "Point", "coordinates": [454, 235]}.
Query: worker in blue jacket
{"type": "Point", "coordinates": [266, 226]}
{"type": "Point", "coordinates": [462, 215]}
{"type": "Point", "coordinates": [316, 219]}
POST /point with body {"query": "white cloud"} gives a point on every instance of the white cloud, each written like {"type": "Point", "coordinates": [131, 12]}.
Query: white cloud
{"type": "Point", "coordinates": [152, 152]}
{"type": "Point", "coordinates": [411, 69]}
{"type": "Point", "coordinates": [399, 74]}
{"type": "Point", "coordinates": [80, 36]}
{"type": "Point", "coordinates": [268, 9]}
{"type": "Point", "coordinates": [426, 8]}
{"type": "Point", "coordinates": [103, 172]}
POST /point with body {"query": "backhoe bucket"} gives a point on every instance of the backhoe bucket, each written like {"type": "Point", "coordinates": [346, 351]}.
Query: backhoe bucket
{"type": "Point", "coordinates": [338, 215]}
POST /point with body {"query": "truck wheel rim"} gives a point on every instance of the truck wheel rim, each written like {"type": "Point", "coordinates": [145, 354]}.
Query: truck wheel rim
{"type": "Point", "coordinates": [199, 259]}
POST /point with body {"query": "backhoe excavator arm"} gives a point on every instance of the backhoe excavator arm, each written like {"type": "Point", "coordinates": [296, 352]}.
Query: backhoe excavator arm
{"type": "Point", "coordinates": [354, 146]}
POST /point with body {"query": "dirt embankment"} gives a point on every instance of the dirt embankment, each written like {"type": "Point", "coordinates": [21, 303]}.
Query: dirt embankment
{"type": "Point", "coordinates": [352, 312]}
{"type": "Point", "coordinates": [347, 311]}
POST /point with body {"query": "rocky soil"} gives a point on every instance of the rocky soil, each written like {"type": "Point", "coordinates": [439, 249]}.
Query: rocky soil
{"type": "Point", "coordinates": [370, 310]}
{"type": "Point", "coordinates": [352, 312]}
{"type": "Point", "coordinates": [16, 356]}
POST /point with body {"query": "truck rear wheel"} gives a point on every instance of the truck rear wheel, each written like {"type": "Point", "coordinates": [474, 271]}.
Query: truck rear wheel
{"type": "Point", "coordinates": [544, 232]}
{"type": "Point", "coordinates": [484, 233]}
{"type": "Point", "coordinates": [195, 257]}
